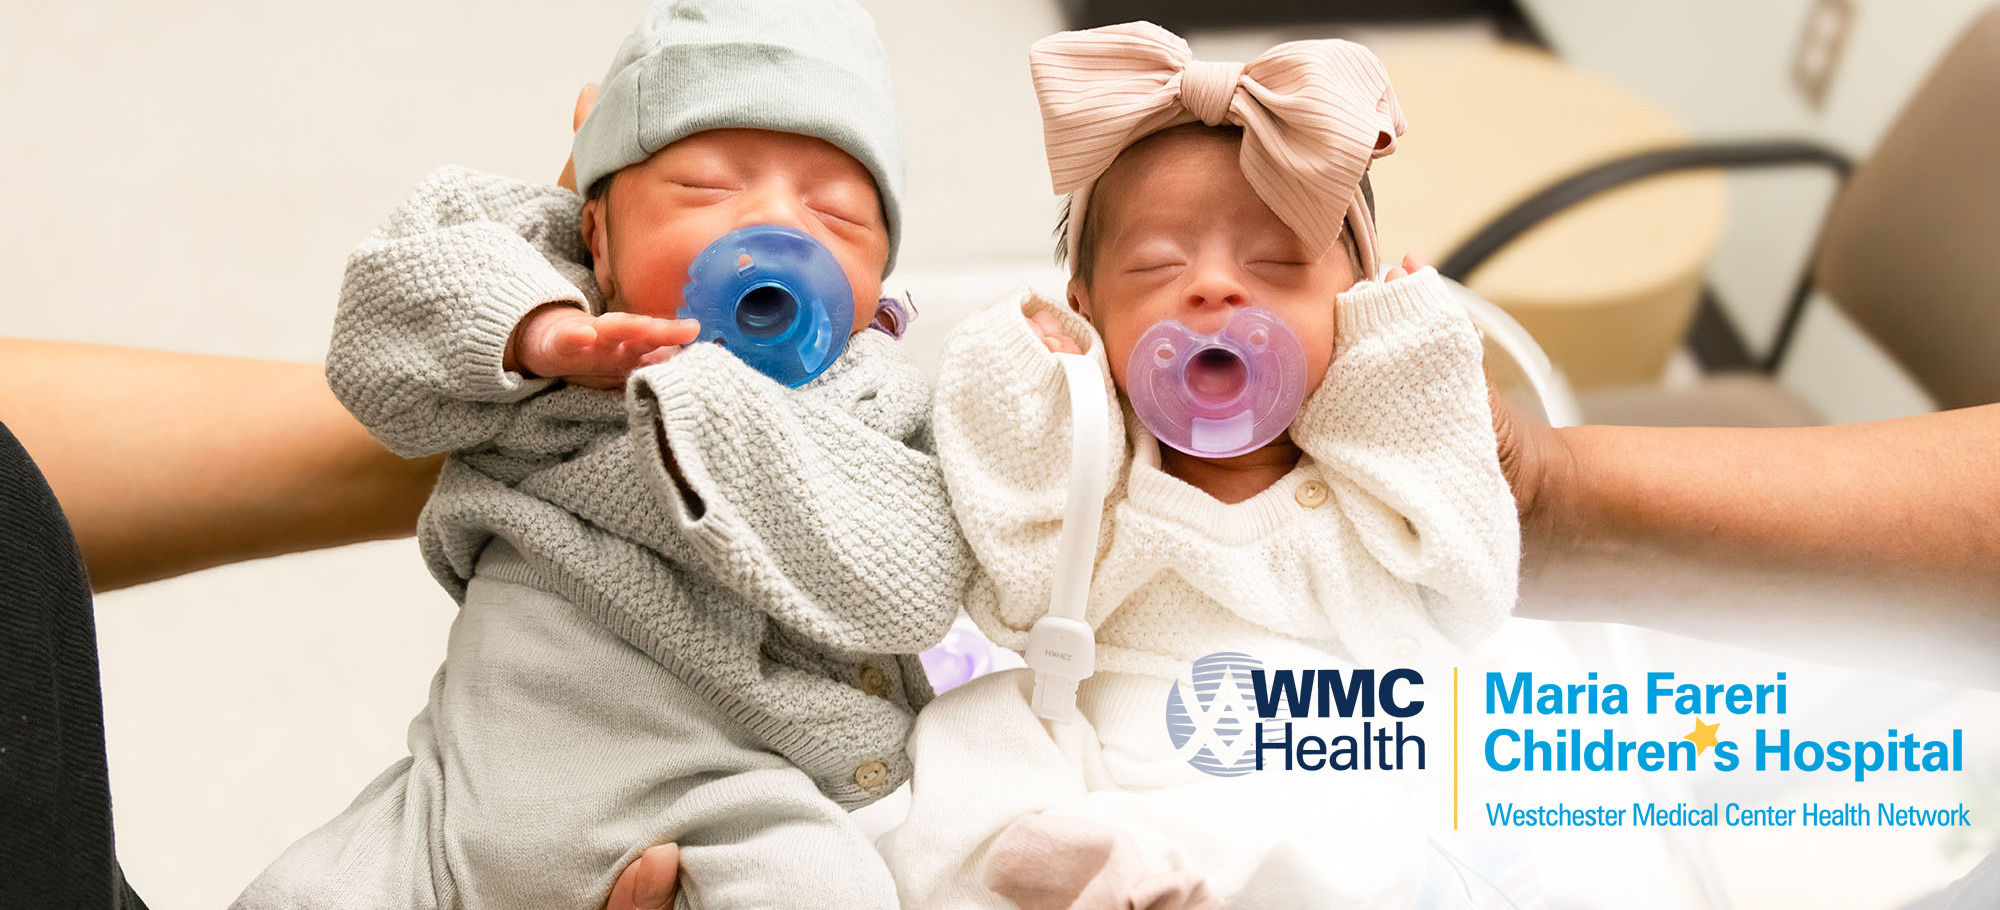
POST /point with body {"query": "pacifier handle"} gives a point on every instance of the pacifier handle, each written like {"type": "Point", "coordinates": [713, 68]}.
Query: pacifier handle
{"type": "Point", "coordinates": [1062, 649]}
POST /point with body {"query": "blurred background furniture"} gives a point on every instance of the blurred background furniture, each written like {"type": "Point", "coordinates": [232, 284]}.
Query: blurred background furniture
{"type": "Point", "coordinates": [1185, 16]}
{"type": "Point", "coordinates": [1908, 252]}
{"type": "Point", "coordinates": [1609, 288]}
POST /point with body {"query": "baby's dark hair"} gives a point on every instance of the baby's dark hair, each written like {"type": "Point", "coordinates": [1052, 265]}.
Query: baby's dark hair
{"type": "Point", "coordinates": [1086, 241]}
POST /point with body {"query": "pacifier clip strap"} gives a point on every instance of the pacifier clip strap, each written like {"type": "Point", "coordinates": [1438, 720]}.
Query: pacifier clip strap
{"type": "Point", "coordinates": [1061, 647]}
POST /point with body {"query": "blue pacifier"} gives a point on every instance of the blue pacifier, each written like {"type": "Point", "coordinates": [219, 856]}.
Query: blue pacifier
{"type": "Point", "coordinates": [773, 296]}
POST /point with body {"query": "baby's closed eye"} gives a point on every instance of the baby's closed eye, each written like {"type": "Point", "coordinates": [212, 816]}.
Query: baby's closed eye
{"type": "Point", "coordinates": [843, 199]}
{"type": "Point", "coordinates": [1153, 260]}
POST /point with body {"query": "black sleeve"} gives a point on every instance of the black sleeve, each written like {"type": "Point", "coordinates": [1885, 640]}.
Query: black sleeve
{"type": "Point", "coordinates": [55, 794]}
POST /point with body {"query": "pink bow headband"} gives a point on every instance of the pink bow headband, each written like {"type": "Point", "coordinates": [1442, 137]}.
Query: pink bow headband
{"type": "Point", "coordinates": [1313, 113]}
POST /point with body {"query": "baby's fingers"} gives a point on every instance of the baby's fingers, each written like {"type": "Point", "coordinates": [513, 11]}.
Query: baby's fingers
{"type": "Point", "coordinates": [600, 352]}
{"type": "Point", "coordinates": [645, 332]}
{"type": "Point", "coordinates": [572, 341]}
{"type": "Point", "coordinates": [658, 355]}
{"type": "Point", "coordinates": [1050, 330]}
{"type": "Point", "coordinates": [1410, 266]}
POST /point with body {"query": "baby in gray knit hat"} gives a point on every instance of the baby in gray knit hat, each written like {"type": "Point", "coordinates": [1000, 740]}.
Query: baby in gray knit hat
{"type": "Point", "coordinates": [691, 597]}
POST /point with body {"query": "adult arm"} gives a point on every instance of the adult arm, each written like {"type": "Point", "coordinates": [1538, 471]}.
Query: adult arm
{"type": "Point", "coordinates": [1874, 544]}
{"type": "Point", "coordinates": [167, 463]}
{"type": "Point", "coordinates": [1912, 493]}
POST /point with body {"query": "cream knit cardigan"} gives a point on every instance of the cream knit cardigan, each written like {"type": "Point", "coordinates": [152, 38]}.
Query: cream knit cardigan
{"type": "Point", "coordinates": [1394, 540]}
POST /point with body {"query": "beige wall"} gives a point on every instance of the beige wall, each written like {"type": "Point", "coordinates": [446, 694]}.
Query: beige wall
{"type": "Point", "coordinates": [192, 175]}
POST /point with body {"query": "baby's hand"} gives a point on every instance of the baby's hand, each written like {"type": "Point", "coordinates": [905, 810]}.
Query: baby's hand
{"type": "Point", "coordinates": [1409, 267]}
{"type": "Point", "coordinates": [560, 341]}
{"type": "Point", "coordinates": [1048, 327]}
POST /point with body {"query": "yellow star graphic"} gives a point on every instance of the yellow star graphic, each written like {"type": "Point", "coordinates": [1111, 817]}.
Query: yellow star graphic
{"type": "Point", "coordinates": [1703, 735]}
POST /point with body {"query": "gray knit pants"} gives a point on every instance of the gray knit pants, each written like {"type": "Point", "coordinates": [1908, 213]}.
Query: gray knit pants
{"type": "Point", "coordinates": [550, 754]}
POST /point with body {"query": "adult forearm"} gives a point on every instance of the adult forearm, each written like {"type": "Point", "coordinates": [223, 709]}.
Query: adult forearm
{"type": "Point", "coordinates": [1874, 545]}
{"type": "Point", "coordinates": [1914, 494]}
{"type": "Point", "coordinates": [167, 463]}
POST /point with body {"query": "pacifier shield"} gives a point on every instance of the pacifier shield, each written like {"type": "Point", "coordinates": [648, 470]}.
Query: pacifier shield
{"type": "Point", "coordinates": [775, 297]}
{"type": "Point", "coordinates": [1218, 395]}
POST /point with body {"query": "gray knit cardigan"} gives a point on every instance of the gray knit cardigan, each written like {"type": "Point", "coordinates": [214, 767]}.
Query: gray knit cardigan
{"type": "Point", "coordinates": [813, 554]}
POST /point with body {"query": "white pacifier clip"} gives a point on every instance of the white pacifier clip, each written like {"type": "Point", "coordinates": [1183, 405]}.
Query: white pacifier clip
{"type": "Point", "coordinates": [1061, 647]}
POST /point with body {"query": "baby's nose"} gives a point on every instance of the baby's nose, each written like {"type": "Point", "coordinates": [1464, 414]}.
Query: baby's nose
{"type": "Point", "coordinates": [773, 207]}
{"type": "Point", "coordinates": [1216, 287]}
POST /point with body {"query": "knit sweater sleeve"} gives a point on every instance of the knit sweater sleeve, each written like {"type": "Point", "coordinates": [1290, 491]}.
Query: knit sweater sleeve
{"type": "Point", "coordinates": [430, 299]}
{"type": "Point", "coordinates": [1404, 431]}
{"type": "Point", "coordinates": [823, 505]}
{"type": "Point", "coordinates": [1002, 420]}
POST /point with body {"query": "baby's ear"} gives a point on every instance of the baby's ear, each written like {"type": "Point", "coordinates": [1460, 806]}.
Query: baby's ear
{"type": "Point", "coordinates": [597, 239]}
{"type": "Point", "coordinates": [1079, 299]}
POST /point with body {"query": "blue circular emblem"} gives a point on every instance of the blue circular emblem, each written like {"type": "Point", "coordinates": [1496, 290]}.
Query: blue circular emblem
{"type": "Point", "coordinates": [1213, 726]}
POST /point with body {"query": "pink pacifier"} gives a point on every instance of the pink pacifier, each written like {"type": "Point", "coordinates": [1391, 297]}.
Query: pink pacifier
{"type": "Point", "coordinates": [1218, 395]}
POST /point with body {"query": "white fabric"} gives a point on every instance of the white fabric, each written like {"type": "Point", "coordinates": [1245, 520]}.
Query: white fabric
{"type": "Point", "coordinates": [1408, 557]}
{"type": "Point", "coordinates": [1412, 553]}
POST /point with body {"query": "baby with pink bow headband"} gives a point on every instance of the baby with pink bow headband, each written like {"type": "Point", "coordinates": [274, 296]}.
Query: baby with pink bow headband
{"type": "Point", "coordinates": [1368, 526]}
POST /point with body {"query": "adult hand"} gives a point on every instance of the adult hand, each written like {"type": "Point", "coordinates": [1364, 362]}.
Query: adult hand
{"type": "Point", "coordinates": [1529, 452]}
{"type": "Point", "coordinates": [585, 100]}
{"type": "Point", "coordinates": [650, 882]}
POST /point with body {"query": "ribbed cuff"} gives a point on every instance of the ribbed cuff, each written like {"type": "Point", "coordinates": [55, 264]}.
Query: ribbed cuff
{"type": "Point", "coordinates": [494, 319]}
{"type": "Point", "coordinates": [1372, 308]}
{"type": "Point", "coordinates": [1017, 349]}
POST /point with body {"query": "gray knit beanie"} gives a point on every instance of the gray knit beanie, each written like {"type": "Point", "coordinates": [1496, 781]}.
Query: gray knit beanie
{"type": "Point", "coordinates": [811, 67]}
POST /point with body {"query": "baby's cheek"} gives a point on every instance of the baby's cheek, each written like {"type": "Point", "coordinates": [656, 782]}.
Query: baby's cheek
{"type": "Point", "coordinates": [864, 311]}
{"type": "Point", "coordinates": [650, 289]}
{"type": "Point", "coordinates": [1320, 355]}
{"type": "Point", "coordinates": [664, 306]}
{"type": "Point", "coordinates": [1117, 350]}
{"type": "Point", "coordinates": [864, 280]}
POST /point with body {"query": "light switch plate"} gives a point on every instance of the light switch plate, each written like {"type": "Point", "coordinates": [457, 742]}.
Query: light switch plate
{"type": "Point", "coordinates": [1821, 41]}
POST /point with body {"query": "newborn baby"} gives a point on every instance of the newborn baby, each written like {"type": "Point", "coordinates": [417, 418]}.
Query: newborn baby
{"type": "Point", "coordinates": [1375, 530]}
{"type": "Point", "coordinates": [690, 607]}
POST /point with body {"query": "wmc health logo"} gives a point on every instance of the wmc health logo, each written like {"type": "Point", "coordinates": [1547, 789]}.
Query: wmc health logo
{"type": "Point", "coordinates": [1223, 714]}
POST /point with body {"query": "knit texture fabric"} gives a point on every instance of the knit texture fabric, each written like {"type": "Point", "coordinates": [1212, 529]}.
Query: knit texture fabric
{"type": "Point", "coordinates": [811, 67]}
{"type": "Point", "coordinates": [549, 755]}
{"type": "Point", "coordinates": [1394, 540]}
{"type": "Point", "coordinates": [814, 553]}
